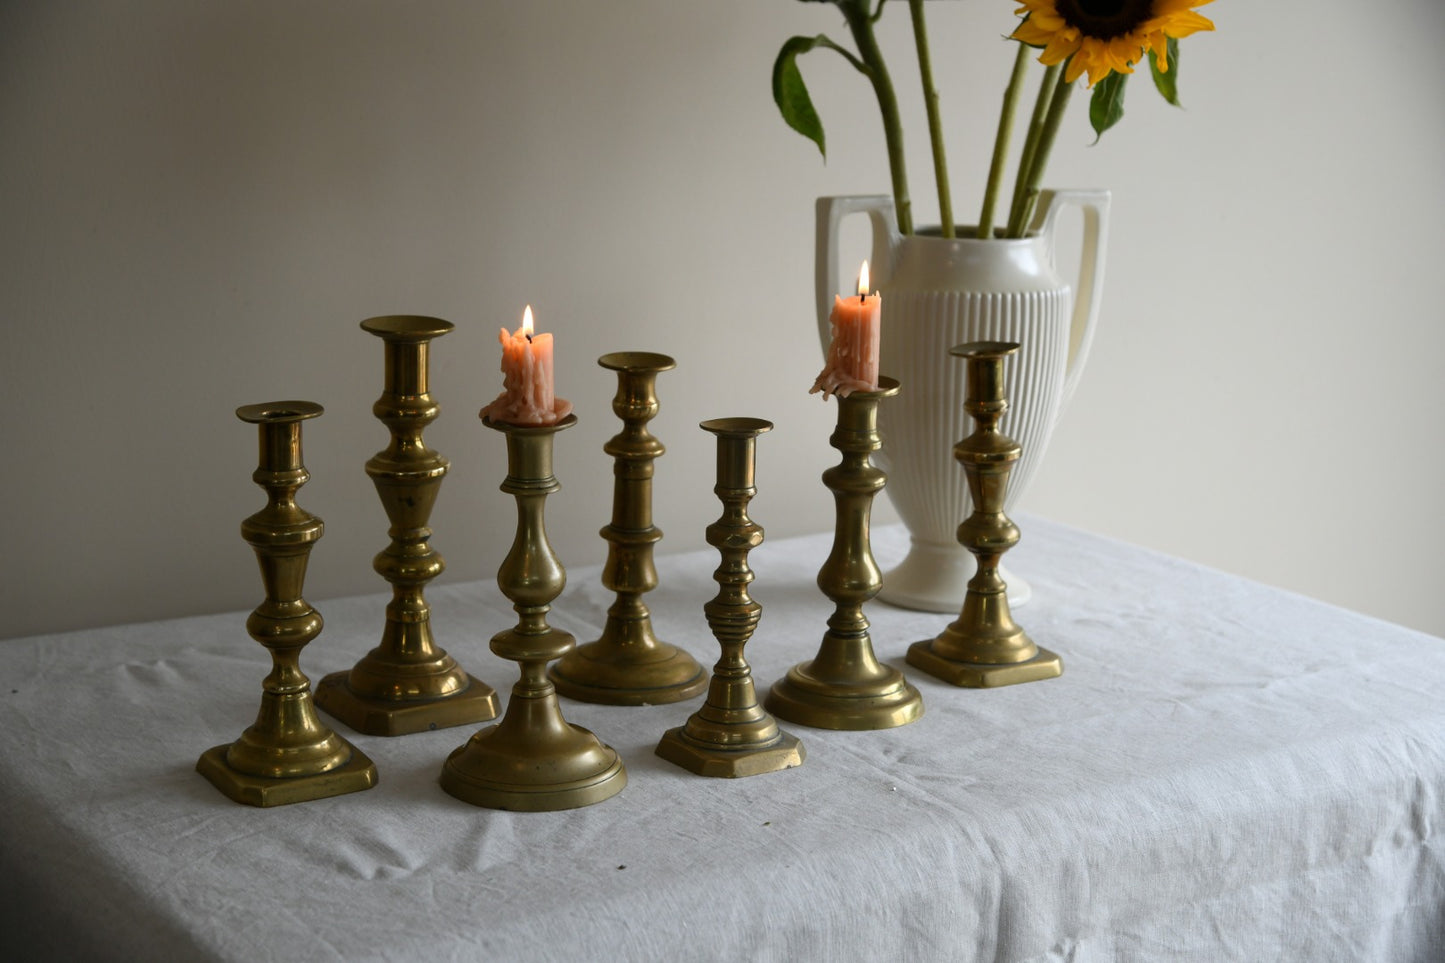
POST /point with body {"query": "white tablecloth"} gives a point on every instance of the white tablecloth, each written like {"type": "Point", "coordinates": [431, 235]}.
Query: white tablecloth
{"type": "Point", "coordinates": [1224, 772]}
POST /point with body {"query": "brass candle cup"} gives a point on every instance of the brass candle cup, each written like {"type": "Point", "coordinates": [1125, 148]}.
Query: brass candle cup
{"type": "Point", "coordinates": [533, 760]}
{"type": "Point", "coordinates": [731, 735]}
{"type": "Point", "coordinates": [845, 686]}
{"type": "Point", "coordinates": [984, 647]}
{"type": "Point", "coordinates": [628, 665]}
{"type": "Point", "coordinates": [407, 683]}
{"type": "Point", "coordinates": [287, 755]}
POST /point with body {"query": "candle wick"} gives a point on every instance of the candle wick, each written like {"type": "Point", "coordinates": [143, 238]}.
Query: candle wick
{"type": "Point", "coordinates": [861, 297]}
{"type": "Point", "coordinates": [529, 337]}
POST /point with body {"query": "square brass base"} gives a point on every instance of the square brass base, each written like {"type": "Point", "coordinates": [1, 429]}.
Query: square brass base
{"type": "Point", "coordinates": [385, 717]}
{"type": "Point", "coordinates": [676, 748]}
{"type": "Point", "coordinates": [980, 675]}
{"type": "Point", "coordinates": [357, 774]}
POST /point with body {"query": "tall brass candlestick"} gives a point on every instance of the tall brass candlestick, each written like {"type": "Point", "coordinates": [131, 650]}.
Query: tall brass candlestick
{"type": "Point", "coordinates": [533, 760]}
{"type": "Point", "coordinates": [408, 683]}
{"type": "Point", "coordinates": [984, 647]}
{"type": "Point", "coordinates": [845, 686]}
{"type": "Point", "coordinates": [288, 755]}
{"type": "Point", "coordinates": [628, 665]}
{"type": "Point", "coordinates": [731, 735]}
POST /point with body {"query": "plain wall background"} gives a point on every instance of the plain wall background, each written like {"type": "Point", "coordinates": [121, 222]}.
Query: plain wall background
{"type": "Point", "coordinates": [199, 201]}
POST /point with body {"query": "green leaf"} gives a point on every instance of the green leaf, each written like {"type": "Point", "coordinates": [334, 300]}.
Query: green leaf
{"type": "Point", "coordinates": [791, 94]}
{"type": "Point", "coordinates": [1106, 107]}
{"type": "Point", "coordinates": [1167, 82]}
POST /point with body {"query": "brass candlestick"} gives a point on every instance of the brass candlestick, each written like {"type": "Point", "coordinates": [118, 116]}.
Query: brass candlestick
{"type": "Point", "coordinates": [628, 666]}
{"type": "Point", "coordinates": [408, 683]}
{"type": "Point", "coordinates": [731, 735]}
{"type": "Point", "coordinates": [845, 686]}
{"type": "Point", "coordinates": [985, 647]}
{"type": "Point", "coordinates": [533, 760]}
{"type": "Point", "coordinates": [287, 756]}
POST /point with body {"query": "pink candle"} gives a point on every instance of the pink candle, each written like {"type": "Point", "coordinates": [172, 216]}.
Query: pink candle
{"type": "Point", "coordinates": [528, 394]}
{"type": "Point", "coordinates": [852, 363]}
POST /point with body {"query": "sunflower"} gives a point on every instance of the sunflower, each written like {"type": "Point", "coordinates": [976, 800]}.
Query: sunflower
{"type": "Point", "coordinates": [1106, 36]}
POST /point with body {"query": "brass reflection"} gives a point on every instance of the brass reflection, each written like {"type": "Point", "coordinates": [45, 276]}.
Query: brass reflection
{"type": "Point", "coordinates": [845, 686]}
{"type": "Point", "coordinates": [287, 755]}
{"type": "Point", "coordinates": [984, 647]}
{"type": "Point", "coordinates": [731, 735]}
{"type": "Point", "coordinates": [628, 665]}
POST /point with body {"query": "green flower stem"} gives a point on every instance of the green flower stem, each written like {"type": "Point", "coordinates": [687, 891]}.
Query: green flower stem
{"type": "Point", "coordinates": [1001, 141]}
{"type": "Point", "coordinates": [1031, 144]}
{"type": "Point", "coordinates": [935, 125]}
{"type": "Point", "coordinates": [1058, 103]}
{"type": "Point", "coordinates": [861, 25]}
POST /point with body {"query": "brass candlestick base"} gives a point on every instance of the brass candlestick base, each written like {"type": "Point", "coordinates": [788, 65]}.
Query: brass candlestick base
{"type": "Point", "coordinates": [287, 756]}
{"type": "Point", "coordinates": [985, 647]}
{"type": "Point", "coordinates": [731, 735]}
{"type": "Point", "coordinates": [628, 666]}
{"type": "Point", "coordinates": [408, 683]}
{"type": "Point", "coordinates": [533, 760]}
{"type": "Point", "coordinates": [845, 686]}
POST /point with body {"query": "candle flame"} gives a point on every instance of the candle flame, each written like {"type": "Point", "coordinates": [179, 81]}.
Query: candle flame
{"type": "Point", "coordinates": [527, 322]}
{"type": "Point", "coordinates": [863, 280]}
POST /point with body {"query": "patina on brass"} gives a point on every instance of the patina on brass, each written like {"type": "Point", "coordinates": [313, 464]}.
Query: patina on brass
{"type": "Point", "coordinates": [533, 760]}
{"type": "Point", "coordinates": [628, 665]}
{"type": "Point", "coordinates": [984, 647]}
{"type": "Point", "coordinates": [845, 686]}
{"type": "Point", "coordinates": [288, 755]}
{"type": "Point", "coordinates": [407, 683]}
{"type": "Point", "coordinates": [731, 735]}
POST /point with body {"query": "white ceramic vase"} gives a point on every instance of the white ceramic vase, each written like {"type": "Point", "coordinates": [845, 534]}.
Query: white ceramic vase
{"type": "Point", "coordinates": [941, 292]}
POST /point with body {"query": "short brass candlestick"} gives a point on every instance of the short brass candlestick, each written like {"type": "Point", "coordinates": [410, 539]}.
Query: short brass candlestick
{"type": "Point", "coordinates": [985, 647]}
{"type": "Point", "coordinates": [628, 665]}
{"type": "Point", "coordinates": [287, 756]}
{"type": "Point", "coordinates": [845, 686]}
{"type": "Point", "coordinates": [533, 760]}
{"type": "Point", "coordinates": [731, 735]}
{"type": "Point", "coordinates": [408, 683]}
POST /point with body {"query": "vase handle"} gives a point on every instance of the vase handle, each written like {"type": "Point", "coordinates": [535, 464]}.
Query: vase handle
{"type": "Point", "coordinates": [1087, 293]}
{"type": "Point", "coordinates": [830, 213]}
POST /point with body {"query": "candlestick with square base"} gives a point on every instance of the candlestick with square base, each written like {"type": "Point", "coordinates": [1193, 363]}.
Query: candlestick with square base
{"type": "Point", "coordinates": [984, 647]}
{"type": "Point", "coordinates": [731, 735]}
{"type": "Point", "coordinates": [287, 755]}
{"type": "Point", "coordinates": [407, 683]}
{"type": "Point", "coordinates": [845, 686]}
{"type": "Point", "coordinates": [628, 665]}
{"type": "Point", "coordinates": [533, 760]}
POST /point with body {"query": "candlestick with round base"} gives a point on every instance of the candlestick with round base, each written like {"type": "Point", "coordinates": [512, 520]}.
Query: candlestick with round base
{"type": "Point", "coordinates": [731, 735]}
{"type": "Point", "coordinates": [845, 686]}
{"type": "Point", "coordinates": [533, 760]}
{"type": "Point", "coordinates": [984, 647]}
{"type": "Point", "coordinates": [628, 665]}
{"type": "Point", "coordinates": [288, 755]}
{"type": "Point", "coordinates": [407, 683]}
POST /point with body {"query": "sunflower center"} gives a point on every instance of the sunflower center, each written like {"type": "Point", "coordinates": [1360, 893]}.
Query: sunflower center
{"type": "Point", "coordinates": [1105, 19]}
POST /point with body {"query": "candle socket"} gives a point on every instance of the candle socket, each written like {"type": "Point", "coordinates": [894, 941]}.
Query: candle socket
{"type": "Point", "coordinates": [533, 760]}
{"type": "Point", "coordinates": [845, 686]}
{"type": "Point", "coordinates": [628, 665]}
{"type": "Point", "coordinates": [287, 755]}
{"type": "Point", "coordinates": [407, 683]}
{"type": "Point", "coordinates": [984, 647]}
{"type": "Point", "coordinates": [731, 735]}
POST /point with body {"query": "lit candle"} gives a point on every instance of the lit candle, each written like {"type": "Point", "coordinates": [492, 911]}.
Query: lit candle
{"type": "Point", "coordinates": [528, 393]}
{"type": "Point", "coordinates": [852, 363]}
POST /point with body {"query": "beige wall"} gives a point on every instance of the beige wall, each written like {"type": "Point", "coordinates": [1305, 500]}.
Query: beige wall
{"type": "Point", "coordinates": [199, 201]}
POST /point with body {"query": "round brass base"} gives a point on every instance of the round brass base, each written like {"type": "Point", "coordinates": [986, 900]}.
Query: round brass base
{"type": "Point", "coordinates": [477, 702]}
{"type": "Point", "coordinates": [604, 673]}
{"type": "Point", "coordinates": [882, 703]}
{"type": "Point", "coordinates": [567, 769]}
{"type": "Point", "coordinates": [983, 675]}
{"type": "Point", "coordinates": [355, 774]}
{"type": "Point", "coordinates": [704, 759]}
